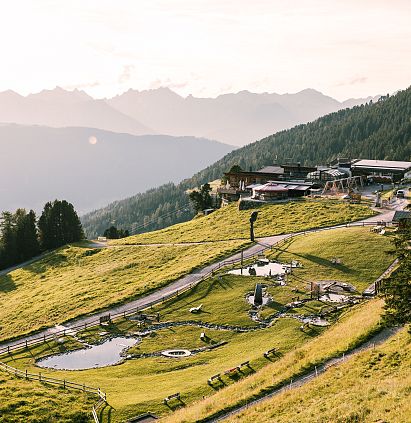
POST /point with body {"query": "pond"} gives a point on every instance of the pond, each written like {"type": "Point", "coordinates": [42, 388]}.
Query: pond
{"type": "Point", "coordinates": [105, 354]}
{"type": "Point", "coordinates": [334, 298]}
{"type": "Point", "coordinates": [265, 268]}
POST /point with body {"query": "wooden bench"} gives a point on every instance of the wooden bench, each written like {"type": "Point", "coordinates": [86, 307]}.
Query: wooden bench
{"type": "Point", "coordinates": [105, 320]}
{"type": "Point", "coordinates": [213, 378]}
{"type": "Point", "coordinates": [269, 352]}
{"type": "Point", "coordinates": [171, 397]}
{"type": "Point", "coordinates": [231, 371]}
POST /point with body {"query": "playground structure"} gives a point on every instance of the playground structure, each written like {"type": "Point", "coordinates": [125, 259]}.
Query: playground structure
{"type": "Point", "coordinates": [342, 185]}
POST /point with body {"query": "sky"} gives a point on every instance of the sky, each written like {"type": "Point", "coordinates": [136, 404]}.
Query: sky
{"type": "Point", "coordinates": [343, 48]}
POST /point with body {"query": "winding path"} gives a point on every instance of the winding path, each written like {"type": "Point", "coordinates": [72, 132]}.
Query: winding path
{"type": "Point", "coordinates": [185, 281]}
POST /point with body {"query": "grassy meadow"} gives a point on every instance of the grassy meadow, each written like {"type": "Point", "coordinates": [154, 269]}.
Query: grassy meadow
{"type": "Point", "coordinates": [141, 384]}
{"type": "Point", "coordinates": [352, 327]}
{"type": "Point", "coordinates": [364, 256]}
{"type": "Point", "coordinates": [373, 386]}
{"type": "Point", "coordinates": [34, 402]}
{"type": "Point", "coordinates": [77, 280]}
{"type": "Point", "coordinates": [230, 223]}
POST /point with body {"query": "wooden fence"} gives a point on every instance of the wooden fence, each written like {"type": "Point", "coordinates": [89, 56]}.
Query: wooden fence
{"type": "Point", "coordinates": [66, 384]}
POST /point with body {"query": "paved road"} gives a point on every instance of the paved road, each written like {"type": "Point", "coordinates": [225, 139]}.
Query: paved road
{"type": "Point", "coordinates": [377, 339]}
{"type": "Point", "coordinates": [187, 280]}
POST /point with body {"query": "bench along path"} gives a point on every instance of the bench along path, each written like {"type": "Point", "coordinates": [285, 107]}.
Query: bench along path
{"type": "Point", "coordinates": [376, 340]}
{"type": "Point", "coordinates": [182, 283]}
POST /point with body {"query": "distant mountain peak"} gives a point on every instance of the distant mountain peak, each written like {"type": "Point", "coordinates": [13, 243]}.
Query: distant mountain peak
{"type": "Point", "coordinates": [10, 94]}
{"type": "Point", "coordinates": [60, 94]}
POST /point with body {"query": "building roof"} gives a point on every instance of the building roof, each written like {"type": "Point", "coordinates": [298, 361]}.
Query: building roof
{"type": "Point", "coordinates": [382, 164]}
{"type": "Point", "coordinates": [252, 186]}
{"type": "Point", "coordinates": [332, 172]}
{"type": "Point", "coordinates": [270, 187]}
{"type": "Point", "coordinates": [287, 184]}
{"type": "Point", "coordinates": [272, 169]}
{"type": "Point", "coordinates": [400, 215]}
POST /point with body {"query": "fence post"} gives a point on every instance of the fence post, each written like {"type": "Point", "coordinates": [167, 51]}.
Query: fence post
{"type": "Point", "coordinates": [64, 383]}
{"type": "Point", "coordinates": [44, 337]}
{"type": "Point", "coordinates": [26, 374]}
{"type": "Point", "coordinates": [39, 377]}
{"type": "Point", "coordinates": [84, 386]}
{"type": "Point", "coordinates": [26, 344]}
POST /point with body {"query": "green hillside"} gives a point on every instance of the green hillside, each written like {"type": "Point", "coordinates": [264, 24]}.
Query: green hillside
{"type": "Point", "coordinates": [380, 130]}
{"type": "Point", "coordinates": [78, 279]}
{"type": "Point", "coordinates": [371, 387]}
{"type": "Point", "coordinates": [120, 270]}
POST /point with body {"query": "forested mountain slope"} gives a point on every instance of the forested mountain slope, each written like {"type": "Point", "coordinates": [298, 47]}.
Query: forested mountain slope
{"type": "Point", "coordinates": [380, 130]}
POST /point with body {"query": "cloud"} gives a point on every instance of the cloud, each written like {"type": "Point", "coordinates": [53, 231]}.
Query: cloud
{"type": "Point", "coordinates": [353, 81]}
{"type": "Point", "coordinates": [126, 74]}
{"type": "Point", "coordinates": [168, 83]}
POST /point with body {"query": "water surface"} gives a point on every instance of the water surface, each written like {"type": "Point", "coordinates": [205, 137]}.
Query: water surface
{"type": "Point", "coordinates": [105, 354]}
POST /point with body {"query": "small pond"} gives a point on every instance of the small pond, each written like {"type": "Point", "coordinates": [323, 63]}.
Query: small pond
{"type": "Point", "coordinates": [334, 298]}
{"type": "Point", "coordinates": [266, 269]}
{"type": "Point", "coordinates": [105, 354]}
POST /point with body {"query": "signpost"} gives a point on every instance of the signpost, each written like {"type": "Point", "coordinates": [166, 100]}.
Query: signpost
{"type": "Point", "coordinates": [253, 218]}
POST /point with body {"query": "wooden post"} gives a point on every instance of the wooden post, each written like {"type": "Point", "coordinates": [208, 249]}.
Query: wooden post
{"type": "Point", "coordinates": [39, 377]}
{"type": "Point", "coordinates": [64, 384]}
{"type": "Point", "coordinates": [242, 259]}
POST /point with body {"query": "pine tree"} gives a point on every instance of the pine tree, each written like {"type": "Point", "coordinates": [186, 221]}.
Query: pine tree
{"type": "Point", "coordinates": [8, 245]}
{"type": "Point", "coordinates": [59, 224]}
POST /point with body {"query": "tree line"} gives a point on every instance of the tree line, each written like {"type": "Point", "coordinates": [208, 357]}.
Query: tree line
{"type": "Point", "coordinates": [379, 130]}
{"type": "Point", "coordinates": [23, 237]}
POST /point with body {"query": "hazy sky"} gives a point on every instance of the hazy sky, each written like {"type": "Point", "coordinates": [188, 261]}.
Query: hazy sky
{"type": "Point", "coordinates": [344, 48]}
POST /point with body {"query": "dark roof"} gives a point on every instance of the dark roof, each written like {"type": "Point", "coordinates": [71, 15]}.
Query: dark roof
{"type": "Point", "coordinates": [400, 215]}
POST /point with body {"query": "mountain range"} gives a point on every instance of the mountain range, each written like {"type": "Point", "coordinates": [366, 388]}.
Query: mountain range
{"type": "Point", "coordinates": [235, 119]}
{"type": "Point", "coordinates": [91, 167]}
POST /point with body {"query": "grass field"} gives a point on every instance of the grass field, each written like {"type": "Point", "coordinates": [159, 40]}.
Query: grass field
{"type": "Point", "coordinates": [77, 280]}
{"type": "Point", "coordinates": [33, 402]}
{"type": "Point", "coordinates": [351, 329]}
{"type": "Point", "coordinates": [139, 385]}
{"type": "Point", "coordinates": [230, 223]}
{"type": "Point", "coordinates": [364, 256]}
{"type": "Point", "coordinates": [373, 386]}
